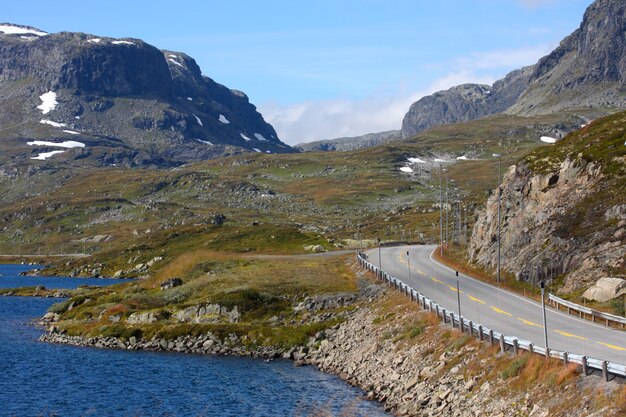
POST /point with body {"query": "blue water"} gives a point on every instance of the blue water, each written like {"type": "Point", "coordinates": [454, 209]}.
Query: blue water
{"type": "Point", "coordinates": [9, 278]}
{"type": "Point", "coordinates": [44, 379]}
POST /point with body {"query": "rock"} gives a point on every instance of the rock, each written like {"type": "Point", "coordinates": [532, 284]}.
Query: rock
{"type": "Point", "coordinates": [171, 283]}
{"type": "Point", "coordinates": [144, 317]}
{"type": "Point", "coordinates": [118, 273]}
{"type": "Point", "coordinates": [218, 220]}
{"type": "Point", "coordinates": [314, 248]}
{"type": "Point", "coordinates": [606, 289]}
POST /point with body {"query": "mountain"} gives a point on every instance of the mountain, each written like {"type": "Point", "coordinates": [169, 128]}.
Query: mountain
{"type": "Point", "coordinates": [586, 71]}
{"type": "Point", "coordinates": [117, 101]}
{"type": "Point", "coordinates": [351, 143]}
{"type": "Point", "coordinates": [563, 212]}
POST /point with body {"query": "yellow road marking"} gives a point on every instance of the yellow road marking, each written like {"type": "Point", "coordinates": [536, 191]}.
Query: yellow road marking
{"type": "Point", "coordinates": [497, 310]}
{"type": "Point", "coordinates": [421, 272]}
{"type": "Point", "coordinates": [530, 323]}
{"type": "Point", "coordinates": [436, 280]}
{"type": "Point", "coordinates": [454, 289]}
{"type": "Point", "coordinates": [571, 335]}
{"type": "Point", "coordinates": [475, 299]}
{"type": "Point", "coordinates": [611, 346]}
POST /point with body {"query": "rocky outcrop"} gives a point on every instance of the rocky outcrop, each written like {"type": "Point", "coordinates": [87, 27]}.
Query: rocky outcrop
{"type": "Point", "coordinates": [606, 289]}
{"type": "Point", "coordinates": [128, 102]}
{"type": "Point", "coordinates": [541, 235]}
{"type": "Point", "coordinates": [587, 70]}
{"type": "Point", "coordinates": [465, 102]}
{"type": "Point", "coordinates": [351, 143]}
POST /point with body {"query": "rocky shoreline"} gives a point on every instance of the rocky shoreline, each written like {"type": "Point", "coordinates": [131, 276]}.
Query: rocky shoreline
{"type": "Point", "coordinates": [431, 372]}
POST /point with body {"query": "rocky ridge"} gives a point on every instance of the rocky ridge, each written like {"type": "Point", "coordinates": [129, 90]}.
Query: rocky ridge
{"type": "Point", "coordinates": [587, 71]}
{"type": "Point", "coordinates": [127, 102]}
{"type": "Point", "coordinates": [562, 212]}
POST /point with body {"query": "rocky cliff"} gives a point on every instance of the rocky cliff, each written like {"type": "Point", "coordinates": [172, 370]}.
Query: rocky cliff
{"type": "Point", "coordinates": [587, 70]}
{"type": "Point", "coordinates": [124, 100]}
{"type": "Point", "coordinates": [563, 211]}
{"type": "Point", "coordinates": [464, 103]}
{"type": "Point", "coordinates": [351, 143]}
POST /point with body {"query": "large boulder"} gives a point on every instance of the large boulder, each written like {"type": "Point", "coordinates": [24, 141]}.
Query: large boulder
{"type": "Point", "coordinates": [606, 289]}
{"type": "Point", "coordinates": [171, 283]}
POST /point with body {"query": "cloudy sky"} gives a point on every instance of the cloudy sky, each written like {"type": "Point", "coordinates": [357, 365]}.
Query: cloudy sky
{"type": "Point", "coordinates": [320, 69]}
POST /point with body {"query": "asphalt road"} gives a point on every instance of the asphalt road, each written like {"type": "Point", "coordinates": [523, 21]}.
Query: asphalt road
{"type": "Point", "coordinates": [497, 309]}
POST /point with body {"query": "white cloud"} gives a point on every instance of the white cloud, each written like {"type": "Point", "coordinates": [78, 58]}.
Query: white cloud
{"type": "Point", "coordinates": [532, 4]}
{"type": "Point", "coordinates": [328, 119]}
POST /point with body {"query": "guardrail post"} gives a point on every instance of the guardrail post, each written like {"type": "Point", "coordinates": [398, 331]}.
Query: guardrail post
{"type": "Point", "coordinates": [480, 332]}
{"type": "Point", "coordinates": [491, 337]}
{"type": "Point", "coordinates": [565, 358]}
{"type": "Point", "coordinates": [531, 348]}
{"type": "Point", "coordinates": [502, 345]}
{"type": "Point", "coordinates": [547, 352]}
{"type": "Point", "coordinates": [445, 317]}
{"type": "Point", "coordinates": [461, 323]}
{"type": "Point", "coordinates": [452, 319]}
{"type": "Point", "coordinates": [515, 347]}
{"type": "Point", "coordinates": [584, 364]}
{"type": "Point", "coordinates": [605, 371]}
{"type": "Point", "coordinates": [471, 328]}
{"type": "Point", "coordinates": [437, 310]}
{"type": "Point", "coordinates": [430, 305]}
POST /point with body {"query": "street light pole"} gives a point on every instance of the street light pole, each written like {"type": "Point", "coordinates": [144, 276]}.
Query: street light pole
{"type": "Point", "coordinates": [499, 225]}
{"type": "Point", "coordinates": [408, 262]}
{"type": "Point", "coordinates": [441, 209]}
{"type": "Point", "coordinates": [545, 325]}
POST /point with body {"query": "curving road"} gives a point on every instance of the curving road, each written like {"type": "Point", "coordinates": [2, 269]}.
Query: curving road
{"type": "Point", "coordinates": [498, 309]}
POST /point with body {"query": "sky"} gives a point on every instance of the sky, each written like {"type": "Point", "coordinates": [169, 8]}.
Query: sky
{"type": "Point", "coordinates": [321, 69]}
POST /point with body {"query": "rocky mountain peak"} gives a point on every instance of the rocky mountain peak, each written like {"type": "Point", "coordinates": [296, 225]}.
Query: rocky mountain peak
{"type": "Point", "coordinates": [127, 101]}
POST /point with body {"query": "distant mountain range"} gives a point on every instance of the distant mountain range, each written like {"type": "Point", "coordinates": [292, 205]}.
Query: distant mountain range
{"type": "Point", "coordinates": [587, 70]}
{"type": "Point", "coordinates": [79, 97]}
{"type": "Point", "coordinates": [351, 143]}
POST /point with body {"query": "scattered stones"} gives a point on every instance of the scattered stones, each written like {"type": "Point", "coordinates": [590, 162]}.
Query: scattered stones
{"type": "Point", "coordinates": [171, 283]}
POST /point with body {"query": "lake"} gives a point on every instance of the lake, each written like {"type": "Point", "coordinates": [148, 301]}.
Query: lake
{"type": "Point", "coordinates": [45, 379]}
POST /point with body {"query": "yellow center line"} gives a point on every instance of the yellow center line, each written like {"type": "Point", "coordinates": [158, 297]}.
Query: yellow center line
{"type": "Point", "coordinates": [497, 310]}
{"type": "Point", "coordinates": [562, 333]}
{"type": "Point", "coordinates": [454, 289]}
{"type": "Point", "coordinates": [530, 323]}
{"type": "Point", "coordinates": [611, 346]}
{"type": "Point", "coordinates": [436, 280]}
{"type": "Point", "coordinates": [475, 299]}
{"type": "Point", "coordinates": [421, 272]}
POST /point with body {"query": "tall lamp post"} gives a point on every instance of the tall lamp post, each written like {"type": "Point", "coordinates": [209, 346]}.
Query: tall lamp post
{"type": "Point", "coordinates": [441, 208]}
{"type": "Point", "coordinates": [545, 325]}
{"type": "Point", "coordinates": [497, 155]}
{"type": "Point", "coordinates": [408, 262]}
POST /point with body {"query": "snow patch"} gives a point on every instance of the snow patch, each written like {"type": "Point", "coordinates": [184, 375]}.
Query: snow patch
{"type": "Point", "coordinates": [268, 151]}
{"type": "Point", "coordinates": [439, 160]}
{"type": "Point", "coordinates": [462, 158]}
{"type": "Point", "coordinates": [198, 120]}
{"type": "Point", "coordinates": [416, 161]}
{"type": "Point", "coordinates": [173, 61]}
{"type": "Point", "coordinates": [48, 102]}
{"type": "Point", "coordinates": [122, 43]}
{"type": "Point", "coordinates": [51, 123]}
{"type": "Point", "coordinates": [189, 99]}
{"type": "Point", "coordinates": [256, 150]}
{"type": "Point", "coordinates": [223, 119]}
{"type": "Point", "coordinates": [16, 30]}
{"type": "Point", "coordinates": [406, 169]}
{"type": "Point", "coordinates": [69, 144]}
{"type": "Point", "coordinates": [260, 137]}
{"type": "Point", "coordinates": [77, 117]}
{"type": "Point", "coordinates": [45, 155]}
{"type": "Point", "coordinates": [205, 141]}
{"type": "Point", "coordinates": [173, 56]}
{"type": "Point", "coordinates": [548, 139]}
{"type": "Point", "coordinates": [94, 40]}
{"type": "Point", "coordinates": [71, 132]}
{"type": "Point", "coordinates": [247, 139]}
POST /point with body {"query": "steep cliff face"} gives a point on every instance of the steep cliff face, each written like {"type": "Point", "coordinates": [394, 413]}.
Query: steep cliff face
{"type": "Point", "coordinates": [563, 211]}
{"type": "Point", "coordinates": [465, 102]}
{"type": "Point", "coordinates": [128, 102]}
{"type": "Point", "coordinates": [587, 70]}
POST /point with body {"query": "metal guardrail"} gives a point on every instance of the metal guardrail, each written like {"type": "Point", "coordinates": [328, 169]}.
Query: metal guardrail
{"type": "Point", "coordinates": [608, 370]}
{"type": "Point", "coordinates": [594, 314]}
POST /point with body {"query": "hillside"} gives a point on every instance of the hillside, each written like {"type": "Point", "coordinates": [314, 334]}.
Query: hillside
{"type": "Point", "coordinates": [351, 143]}
{"type": "Point", "coordinates": [586, 73]}
{"type": "Point", "coordinates": [101, 101]}
{"type": "Point", "coordinates": [563, 212]}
